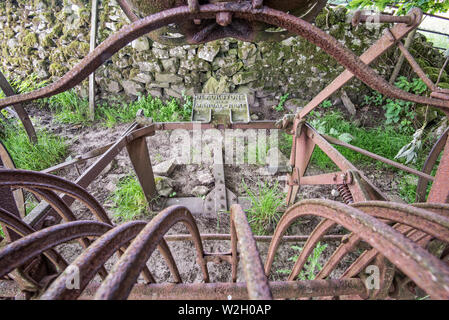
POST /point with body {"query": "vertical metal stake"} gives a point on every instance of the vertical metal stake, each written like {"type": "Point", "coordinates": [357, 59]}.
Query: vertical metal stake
{"type": "Point", "coordinates": [93, 44]}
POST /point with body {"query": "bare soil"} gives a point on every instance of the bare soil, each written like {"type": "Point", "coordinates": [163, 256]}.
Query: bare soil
{"type": "Point", "coordinates": [84, 139]}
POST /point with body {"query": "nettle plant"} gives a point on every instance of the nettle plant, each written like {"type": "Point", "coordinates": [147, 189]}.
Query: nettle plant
{"type": "Point", "coordinates": [399, 112]}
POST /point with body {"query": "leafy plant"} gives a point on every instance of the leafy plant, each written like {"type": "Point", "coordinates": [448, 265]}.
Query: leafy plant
{"type": "Point", "coordinates": [375, 99]}
{"type": "Point", "coordinates": [428, 6]}
{"type": "Point", "coordinates": [326, 104]}
{"type": "Point", "coordinates": [128, 199]}
{"type": "Point", "coordinates": [312, 265]}
{"type": "Point", "coordinates": [266, 204]}
{"type": "Point", "coordinates": [280, 106]}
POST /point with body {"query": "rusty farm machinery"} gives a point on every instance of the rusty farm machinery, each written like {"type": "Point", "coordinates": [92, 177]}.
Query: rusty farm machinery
{"type": "Point", "coordinates": [407, 243]}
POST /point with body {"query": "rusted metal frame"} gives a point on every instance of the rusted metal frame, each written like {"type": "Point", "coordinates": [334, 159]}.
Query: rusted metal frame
{"type": "Point", "coordinates": [360, 191]}
{"type": "Point", "coordinates": [89, 155]}
{"type": "Point", "coordinates": [440, 187]}
{"type": "Point", "coordinates": [241, 11]}
{"type": "Point", "coordinates": [326, 178]}
{"type": "Point", "coordinates": [29, 179]}
{"type": "Point", "coordinates": [141, 162]}
{"type": "Point", "coordinates": [424, 269]}
{"type": "Point", "coordinates": [415, 66]}
{"type": "Point", "coordinates": [359, 17]}
{"type": "Point", "coordinates": [376, 50]}
{"type": "Point", "coordinates": [374, 156]}
{"type": "Point", "coordinates": [92, 259]}
{"type": "Point", "coordinates": [20, 251]}
{"type": "Point", "coordinates": [429, 164]}
{"type": "Point", "coordinates": [22, 114]}
{"type": "Point", "coordinates": [239, 291]}
{"type": "Point", "coordinates": [124, 5]}
{"type": "Point", "coordinates": [23, 229]}
{"type": "Point", "coordinates": [220, 191]}
{"type": "Point", "coordinates": [256, 280]}
{"type": "Point", "coordinates": [224, 236]}
{"type": "Point", "coordinates": [302, 150]}
{"type": "Point", "coordinates": [123, 276]}
{"type": "Point", "coordinates": [221, 291]}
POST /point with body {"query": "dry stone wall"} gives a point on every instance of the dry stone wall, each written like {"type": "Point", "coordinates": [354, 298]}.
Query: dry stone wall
{"type": "Point", "coordinates": [48, 37]}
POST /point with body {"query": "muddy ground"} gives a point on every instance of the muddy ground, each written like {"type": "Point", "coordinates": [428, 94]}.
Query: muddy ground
{"type": "Point", "coordinates": [84, 139]}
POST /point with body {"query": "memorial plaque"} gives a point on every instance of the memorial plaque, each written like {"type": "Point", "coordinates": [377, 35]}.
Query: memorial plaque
{"type": "Point", "coordinates": [221, 108]}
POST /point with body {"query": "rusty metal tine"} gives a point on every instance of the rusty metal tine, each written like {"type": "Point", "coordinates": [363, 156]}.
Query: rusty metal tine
{"type": "Point", "coordinates": [415, 262]}
{"type": "Point", "coordinates": [30, 179]}
{"type": "Point", "coordinates": [255, 277]}
{"type": "Point", "coordinates": [171, 263]}
{"type": "Point", "coordinates": [15, 254]}
{"type": "Point", "coordinates": [23, 229]}
{"type": "Point", "coordinates": [429, 164]}
{"type": "Point", "coordinates": [91, 259]}
{"type": "Point", "coordinates": [120, 281]}
{"type": "Point", "coordinates": [440, 187]}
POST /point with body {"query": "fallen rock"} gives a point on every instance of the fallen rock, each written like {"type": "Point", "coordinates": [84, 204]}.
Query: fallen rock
{"type": "Point", "coordinates": [199, 191]}
{"type": "Point", "coordinates": [164, 186]}
{"type": "Point", "coordinates": [205, 177]}
{"type": "Point", "coordinates": [164, 168]}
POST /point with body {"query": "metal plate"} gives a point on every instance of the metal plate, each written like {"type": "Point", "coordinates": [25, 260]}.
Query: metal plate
{"type": "Point", "coordinates": [221, 108]}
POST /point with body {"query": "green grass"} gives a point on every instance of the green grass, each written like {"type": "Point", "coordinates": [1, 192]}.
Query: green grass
{"type": "Point", "coordinates": [312, 266]}
{"type": "Point", "coordinates": [266, 206]}
{"type": "Point", "coordinates": [385, 141]}
{"type": "Point", "coordinates": [49, 150]}
{"type": "Point", "coordinates": [153, 108]}
{"type": "Point", "coordinates": [71, 109]}
{"type": "Point", "coordinates": [128, 199]}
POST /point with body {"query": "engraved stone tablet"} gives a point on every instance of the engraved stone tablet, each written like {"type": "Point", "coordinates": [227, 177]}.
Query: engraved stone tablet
{"type": "Point", "coordinates": [221, 108]}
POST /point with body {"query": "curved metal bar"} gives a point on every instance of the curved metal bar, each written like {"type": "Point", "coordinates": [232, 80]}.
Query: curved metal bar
{"type": "Point", "coordinates": [256, 280]}
{"type": "Point", "coordinates": [31, 179]}
{"type": "Point", "coordinates": [123, 276]}
{"type": "Point", "coordinates": [7, 162]}
{"type": "Point", "coordinates": [428, 166]}
{"type": "Point", "coordinates": [20, 251]}
{"type": "Point", "coordinates": [240, 10]}
{"type": "Point", "coordinates": [424, 269]}
{"type": "Point", "coordinates": [427, 222]}
{"type": "Point", "coordinates": [23, 229]}
{"type": "Point", "coordinates": [92, 259]}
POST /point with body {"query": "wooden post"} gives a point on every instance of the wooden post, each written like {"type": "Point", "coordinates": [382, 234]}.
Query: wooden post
{"type": "Point", "coordinates": [140, 159]}
{"type": "Point", "coordinates": [93, 44]}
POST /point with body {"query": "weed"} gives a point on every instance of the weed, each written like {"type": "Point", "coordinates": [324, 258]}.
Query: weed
{"type": "Point", "coordinates": [128, 199]}
{"type": "Point", "coordinates": [280, 106]}
{"type": "Point", "coordinates": [313, 262]}
{"type": "Point", "coordinates": [326, 104]}
{"type": "Point", "coordinates": [266, 205]}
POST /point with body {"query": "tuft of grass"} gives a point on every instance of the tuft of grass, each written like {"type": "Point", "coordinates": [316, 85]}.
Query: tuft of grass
{"type": "Point", "coordinates": [49, 150]}
{"type": "Point", "coordinates": [266, 205]}
{"type": "Point", "coordinates": [312, 265]}
{"type": "Point", "coordinates": [69, 108]}
{"type": "Point", "coordinates": [128, 199]}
